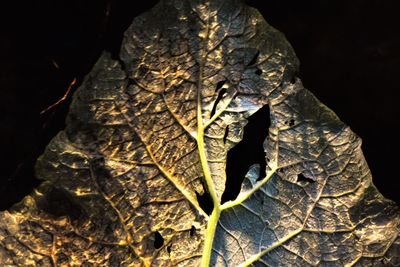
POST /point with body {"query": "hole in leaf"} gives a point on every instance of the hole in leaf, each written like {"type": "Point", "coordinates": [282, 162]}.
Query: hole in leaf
{"type": "Point", "coordinates": [205, 202]}
{"type": "Point", "coordinates": [291, 122]}
{"type": "Point", "coordinates": [158, 240]}
{"type": "Point", "coordinates": [303, 181]}
{"type": "Point", "coordinates": [219, 85]}
{"type": "Point", "coordinates": [258, 71]}
{"type": "Point", "coordinates": [192, 231]}
{"type": "Point", "coordinates": [254, 59]}
{"type": "Point", "coordinates": [221, 94]}
{"type": "Point", "coordinates": [226, 134]}
{"type": "Point", "coordinates": [169, 249]}
{"type": "Point", "coordinates": [246, 153]}
{"type": "Point", "coordinates": [293, 80]}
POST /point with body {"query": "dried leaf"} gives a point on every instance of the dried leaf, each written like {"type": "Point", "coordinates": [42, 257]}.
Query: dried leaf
{"type": "Point", "coordinates": [148, 135]}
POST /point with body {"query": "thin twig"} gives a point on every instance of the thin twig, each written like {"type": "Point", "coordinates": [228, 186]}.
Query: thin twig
{"type": "Point", "coordinates": [62, 99]}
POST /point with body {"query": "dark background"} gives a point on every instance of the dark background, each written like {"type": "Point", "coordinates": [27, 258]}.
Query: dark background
{"type": "Point", "coordinates": [349, 52]}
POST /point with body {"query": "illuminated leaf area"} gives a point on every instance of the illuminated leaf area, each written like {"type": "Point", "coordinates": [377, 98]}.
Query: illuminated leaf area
{"type": "Point", "coordinates": [137, 177]}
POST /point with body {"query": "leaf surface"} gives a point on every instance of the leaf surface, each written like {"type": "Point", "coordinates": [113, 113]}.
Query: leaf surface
{"type": "Point", "coordinates": [147, 138]}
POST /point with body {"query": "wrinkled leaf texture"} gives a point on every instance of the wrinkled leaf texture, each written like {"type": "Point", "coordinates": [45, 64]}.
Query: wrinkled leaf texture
{"type": "Point", "coordinates": [148, 133]}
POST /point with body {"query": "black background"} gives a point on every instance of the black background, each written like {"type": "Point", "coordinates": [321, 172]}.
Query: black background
{"type": "Point", "coordinates": [349, 52]}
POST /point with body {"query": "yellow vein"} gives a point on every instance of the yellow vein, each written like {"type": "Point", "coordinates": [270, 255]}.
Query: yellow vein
{"type": "Point", "coordinates": [242, 197]}
{"type": "Point", "coordinates": [213, 220]}
{"type": "Point", "coordinates": [181, 189]}
{"type": "Point", "coordinates": [177, 119]}
{"type": "Point", "coordinates": [220, 111]}
{"type": "Point", "coordinates": [128, 238]}
{"type": "Point", "coordinates": [167, 175]}
{"type": "Point", "coordinates": [258, 256]}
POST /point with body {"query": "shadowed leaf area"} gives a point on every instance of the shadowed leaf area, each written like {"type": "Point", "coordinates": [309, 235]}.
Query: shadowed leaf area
{"type": "Point", "coordinates": [147, 171]}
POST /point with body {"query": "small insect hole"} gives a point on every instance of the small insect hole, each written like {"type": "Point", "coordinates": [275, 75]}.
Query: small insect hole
{"type": "Point", "coordinates": [169, 249]}
{"type": "Point", "coordinates": [205, 202]}
{"type": "Point", "coordinates": [258, 72]}
{"type": "Point", "coordinates": [158, 240]}
{"type": "Point", "coordinates": [219, 85]}
{"type": "Point", "coordinates": [226, 134]}
{"type": "Point", "coordinates": [221, 94]}
{"type": "Point", "coordinates": [302, 180]}
{"type": "Point", "coordinates": [192, 231]}
{"type": "Point", "coordinates": [291, 123]}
